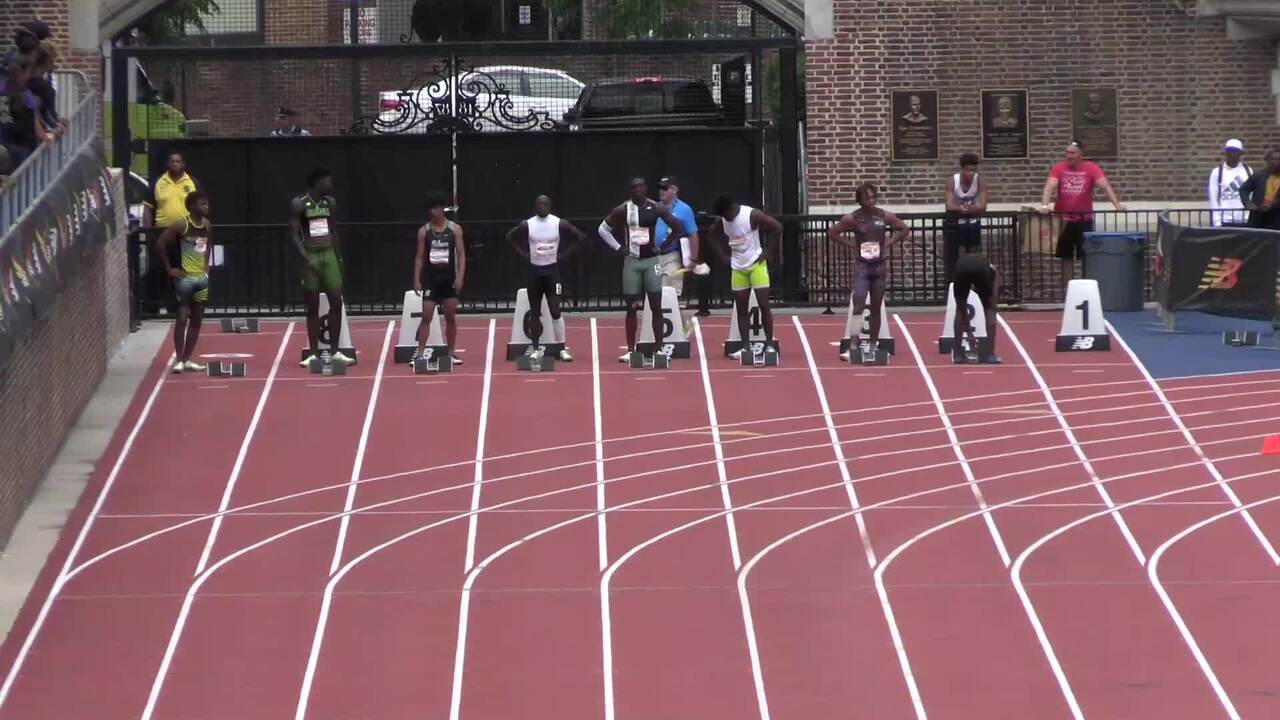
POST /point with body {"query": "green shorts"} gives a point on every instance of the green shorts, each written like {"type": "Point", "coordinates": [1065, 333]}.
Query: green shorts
{"type": "Point", "coordinates": [756, 276]}
{"type": "Point", "coordinates": [641, 276]}
{"type": "Point", "coordinates": [322, 271]}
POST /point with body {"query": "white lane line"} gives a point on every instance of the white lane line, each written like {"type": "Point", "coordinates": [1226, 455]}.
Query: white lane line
{"type": "Point", "coordinates": [322, 384]}
{"type": "Point", "coordinates": [479, 461]}
{"type": "Point", "coordinates": [955, 442]}
{"type": "Point", "coordinates": [66, 572]}
{"type": "Point", "coordinates": [836, 445]}
{"type": "Point", "coordinates": [212, 387]}
{"type": "Point", "coordinates": [1191, 440]}
{"type": "Point", "coordinates": [601, 531]}
{"type": "Point", "coordinates": [1153, 574]}
{"type": "Point", "coordinates": [249, 433]}
{"type": "Point", "coordinates": [358, 464]}
{"type": "Point", "coordinates": [721, 474]}
{"type": "Point", "coordinates": [1123, 526]}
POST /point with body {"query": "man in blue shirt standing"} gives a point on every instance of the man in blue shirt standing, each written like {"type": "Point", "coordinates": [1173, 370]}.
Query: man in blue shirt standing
{"type": "Point", "coordinates": [676, 253]}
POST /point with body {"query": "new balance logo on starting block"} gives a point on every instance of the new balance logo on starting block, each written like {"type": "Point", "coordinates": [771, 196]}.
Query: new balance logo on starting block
{"type": "Point", "coordinates": [1083, 329]}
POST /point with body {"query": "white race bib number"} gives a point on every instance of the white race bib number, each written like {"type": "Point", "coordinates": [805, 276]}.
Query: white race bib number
{"type": "Point", "coordinates": [439, 256]}
{"type": "Point", "coordinates": [639, 237]}
{"type": "Point", "coordinates": [318, 227]}
{"type": "Point", "coordinates": [202, 244]}
{"type": "Point", "coordinates": [870, 251]}
{"type": "Point", "coordinates": [545, 249]}
{"type": "Point", "coordinates": [738, 243]}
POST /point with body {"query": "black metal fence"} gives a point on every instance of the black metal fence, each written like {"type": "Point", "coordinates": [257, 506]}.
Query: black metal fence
{"type": "Point", "coordinates": [258, 270]}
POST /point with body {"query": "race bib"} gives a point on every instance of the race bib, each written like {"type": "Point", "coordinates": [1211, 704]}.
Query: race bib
{"type": "Point", "coordinates": [318, 227]}
{"type": "Point", "coordinates": [639, 236]}
{"type": "Point", "coordinates": [738, 243]}
{"type": "Point", "coordinates": [439, 256]}
{"type": "Point", "coordinates": [202, 244]}
{"type": "Point", "coordinates": [545, 249]}
{"type": "Point", "coordinates": [870, 251]}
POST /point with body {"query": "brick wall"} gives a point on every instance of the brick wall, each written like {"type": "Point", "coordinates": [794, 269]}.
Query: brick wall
{"type": "Point", "coordinates": [53, 372]}
{"type": "Point", "coordinates": [1182, 87]}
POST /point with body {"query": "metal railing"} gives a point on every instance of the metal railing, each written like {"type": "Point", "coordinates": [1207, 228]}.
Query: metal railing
{"type": "Point", "coordinates": [35, 175]}
{"type": "Point", "coordinates": [259, 270]}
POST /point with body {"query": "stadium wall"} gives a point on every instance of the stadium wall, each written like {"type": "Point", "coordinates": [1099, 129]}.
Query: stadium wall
{"type": "Point", "coordinates": [1182, 86]}
{"type": "Point", "coordinates": [54, 371]}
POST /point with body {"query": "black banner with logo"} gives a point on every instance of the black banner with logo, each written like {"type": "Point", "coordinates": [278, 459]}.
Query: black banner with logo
{"type": "Point", "coordinates": [1227, 271]}
{"type": "Point", "coordinates": [43, 253]}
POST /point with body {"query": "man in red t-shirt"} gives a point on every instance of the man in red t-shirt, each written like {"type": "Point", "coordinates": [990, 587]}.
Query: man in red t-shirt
{"type": "Point", "coordinates": [1074, 179]}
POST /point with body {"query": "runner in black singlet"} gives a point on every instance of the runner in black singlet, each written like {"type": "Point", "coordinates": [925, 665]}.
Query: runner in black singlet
{"type": "Point", "coordinates": [870, 226]}
{"type": "Point", "coordinates": [541, 241]}
{"type": "Point", "coordinates": [313, 227]}
{"type": "Point", "coordinates": [438, 271]}
{"type": "Point", "coordinates": [641, 267]}
{"type": "Point", "coordinates": [974, 272]}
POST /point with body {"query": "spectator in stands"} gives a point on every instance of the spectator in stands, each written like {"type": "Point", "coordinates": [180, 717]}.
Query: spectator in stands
{"type": "Point", "coordinates": [1225, 182]}
{"type": "Point", "coordinates": [44, 59]}
{"type": "Point", "coordinates": [21, 128]}
{"type": "Point", "coordinates": [25, 41]}
{"type": "Point", "coordinates": [1072, 181]}
{"type": "Point", "coordinates": [287, 124]}
{"type": "Point", "coordinates": [1259, 192]}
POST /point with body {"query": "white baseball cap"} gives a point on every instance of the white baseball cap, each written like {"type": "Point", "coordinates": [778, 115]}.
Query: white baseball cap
{"type": "Point", "coordinates": [1233, 144]}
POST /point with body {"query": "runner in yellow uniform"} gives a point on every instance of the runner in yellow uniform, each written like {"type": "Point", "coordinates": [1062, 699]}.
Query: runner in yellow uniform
{"type": "Point", "coordinates": [743, 228]}
{"type": "Point", "coordinates": [191, 279]}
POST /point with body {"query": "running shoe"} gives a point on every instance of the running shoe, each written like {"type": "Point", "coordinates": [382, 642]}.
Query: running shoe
{"type": "Point", "coordinates": [992, 359]}
{"type": "Point", "coordinates": [306, 360]}
{"type": "Point", "coordinates": [625, 357]}
{"type": "Point", "coordinates": [565, 356]}
{"type": "Point", "coordinates": [178, 367]}
{"type": "Point", "coordinates": [338, 357]}
{"type": "Point", "coordinates": [192, 366]}
{"type": "Point", "coordinates": [453, 358]}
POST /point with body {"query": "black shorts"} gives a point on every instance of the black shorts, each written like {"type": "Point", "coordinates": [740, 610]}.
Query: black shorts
{"type": "Point", "coordinates": [969, 236]}
{"type": "Point", "coordinates": [973, 272]}
{"type": "Point", "coordinates": [543, 280]}
{"type": "Point", "coordinates": [1071, 239]}
{"type": "Point", "coordinates": [438, 287]}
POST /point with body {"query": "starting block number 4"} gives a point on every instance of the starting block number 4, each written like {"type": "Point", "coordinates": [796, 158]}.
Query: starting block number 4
{"type": "Point", "coordinates": [759, 354]}
{"type": "Point", "coordinates": [1083, 328]}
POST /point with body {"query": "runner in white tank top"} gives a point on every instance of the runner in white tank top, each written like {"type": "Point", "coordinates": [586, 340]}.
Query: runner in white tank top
{"type": "Point", "coordinates": [966, 200]}
{"type": "Point", "coordinates": [539, 240]}
{"type": "Point", "coordinates": [741, 227]}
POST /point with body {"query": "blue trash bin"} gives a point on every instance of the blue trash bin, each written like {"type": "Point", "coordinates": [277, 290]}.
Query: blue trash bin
{"type": "Point", "coordinates": [1115, 260]}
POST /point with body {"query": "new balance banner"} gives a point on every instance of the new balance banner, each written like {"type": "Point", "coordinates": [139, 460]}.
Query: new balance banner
{"type": "Point", "coordinates": [1229, 271]}
{"type": "Point", "coordinates": [43, 253]}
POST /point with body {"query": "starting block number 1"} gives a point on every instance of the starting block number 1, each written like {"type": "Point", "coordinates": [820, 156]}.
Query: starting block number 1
{"type": "Point", "coordinates": [1083, 328]}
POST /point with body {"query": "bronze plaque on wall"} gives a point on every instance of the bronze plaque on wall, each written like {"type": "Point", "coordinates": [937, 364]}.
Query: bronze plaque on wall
{"type": "Point", "coordinates": [1094, 124]}
{"type": "Point", "coordinates": [915, 124]}
{"type": "Point", "coordinates": [1004, 124]}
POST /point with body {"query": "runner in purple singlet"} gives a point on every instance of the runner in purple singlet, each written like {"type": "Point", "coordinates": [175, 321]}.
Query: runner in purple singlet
{"type": "Point", "coordinates": [870, 226]}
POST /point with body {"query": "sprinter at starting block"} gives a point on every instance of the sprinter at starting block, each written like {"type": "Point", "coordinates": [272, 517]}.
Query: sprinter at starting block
{"type": "Point", "coordinates": [974, 272]}
{"type": "Point", "coordinates": [542, 241]}
{"type": "Point", "coordinates": [745, 229]}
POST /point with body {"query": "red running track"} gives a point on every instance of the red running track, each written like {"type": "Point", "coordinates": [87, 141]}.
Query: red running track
{"type": "Point", "coordinates": [1058, 537]}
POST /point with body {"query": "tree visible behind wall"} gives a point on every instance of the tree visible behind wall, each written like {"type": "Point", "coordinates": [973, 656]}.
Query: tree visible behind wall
{"type": "Point", "coordinates": [631, 19]}
{"type": "Point", "coordinates": [773, 87]}
{"type": "Point", "coordinates": [168, 23]}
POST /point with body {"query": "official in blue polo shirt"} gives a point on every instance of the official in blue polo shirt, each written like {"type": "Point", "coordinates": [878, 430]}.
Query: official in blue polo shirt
{"type": "Point", "coordinates": [674, 252]}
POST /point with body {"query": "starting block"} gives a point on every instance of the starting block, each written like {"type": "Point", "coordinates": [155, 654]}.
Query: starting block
{"type": "Point", "coordinates": [1240, 338]}
{"type": "Point", "coordinates": [862, 354]}
{"type": "Point", "coordinates": [226, 369]}
{"type": "Point", "coordinates": [970, 355]}
{"type": "Point", "coordinates": [433, 363]}
{"type": "Point", "coordinates": [974, 312]}
{"type": "Point", "coordinates": [238, 325]}
{"type": "Point", "coordinates": [323, 364]}
{"type": "Point", "coordinates": [760, 354]}
{"type": "Point", "coordinates": [654, 361]}
{"type": "Point", "coordinates": [539, 361]}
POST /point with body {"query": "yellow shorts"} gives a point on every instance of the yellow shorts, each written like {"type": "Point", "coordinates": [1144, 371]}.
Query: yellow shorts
{"type": "Point", "coordinates": [756, 276]}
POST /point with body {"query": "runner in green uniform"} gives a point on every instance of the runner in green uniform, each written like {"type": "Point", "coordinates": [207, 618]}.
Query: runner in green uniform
{"type": "Point", "coordinates": [191, 279]}
{"type": "Point", "coordinates": [315, 232]}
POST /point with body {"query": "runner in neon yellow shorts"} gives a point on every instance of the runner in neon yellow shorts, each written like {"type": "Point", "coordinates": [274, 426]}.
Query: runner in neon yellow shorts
{"type": "Point", "coordinates": [744, 228]}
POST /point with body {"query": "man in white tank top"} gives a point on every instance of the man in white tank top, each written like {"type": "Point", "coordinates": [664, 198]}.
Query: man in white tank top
{"type": "Point", "coordinates": [966, 199]}
{"type": "Point", "coordinates": [541, 241]}
{"type": "Point", "coordinates": [742, 227]}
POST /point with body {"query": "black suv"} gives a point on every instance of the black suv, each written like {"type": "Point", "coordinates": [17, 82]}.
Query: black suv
{"type": "Point", "coordinates": [645, 102]}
